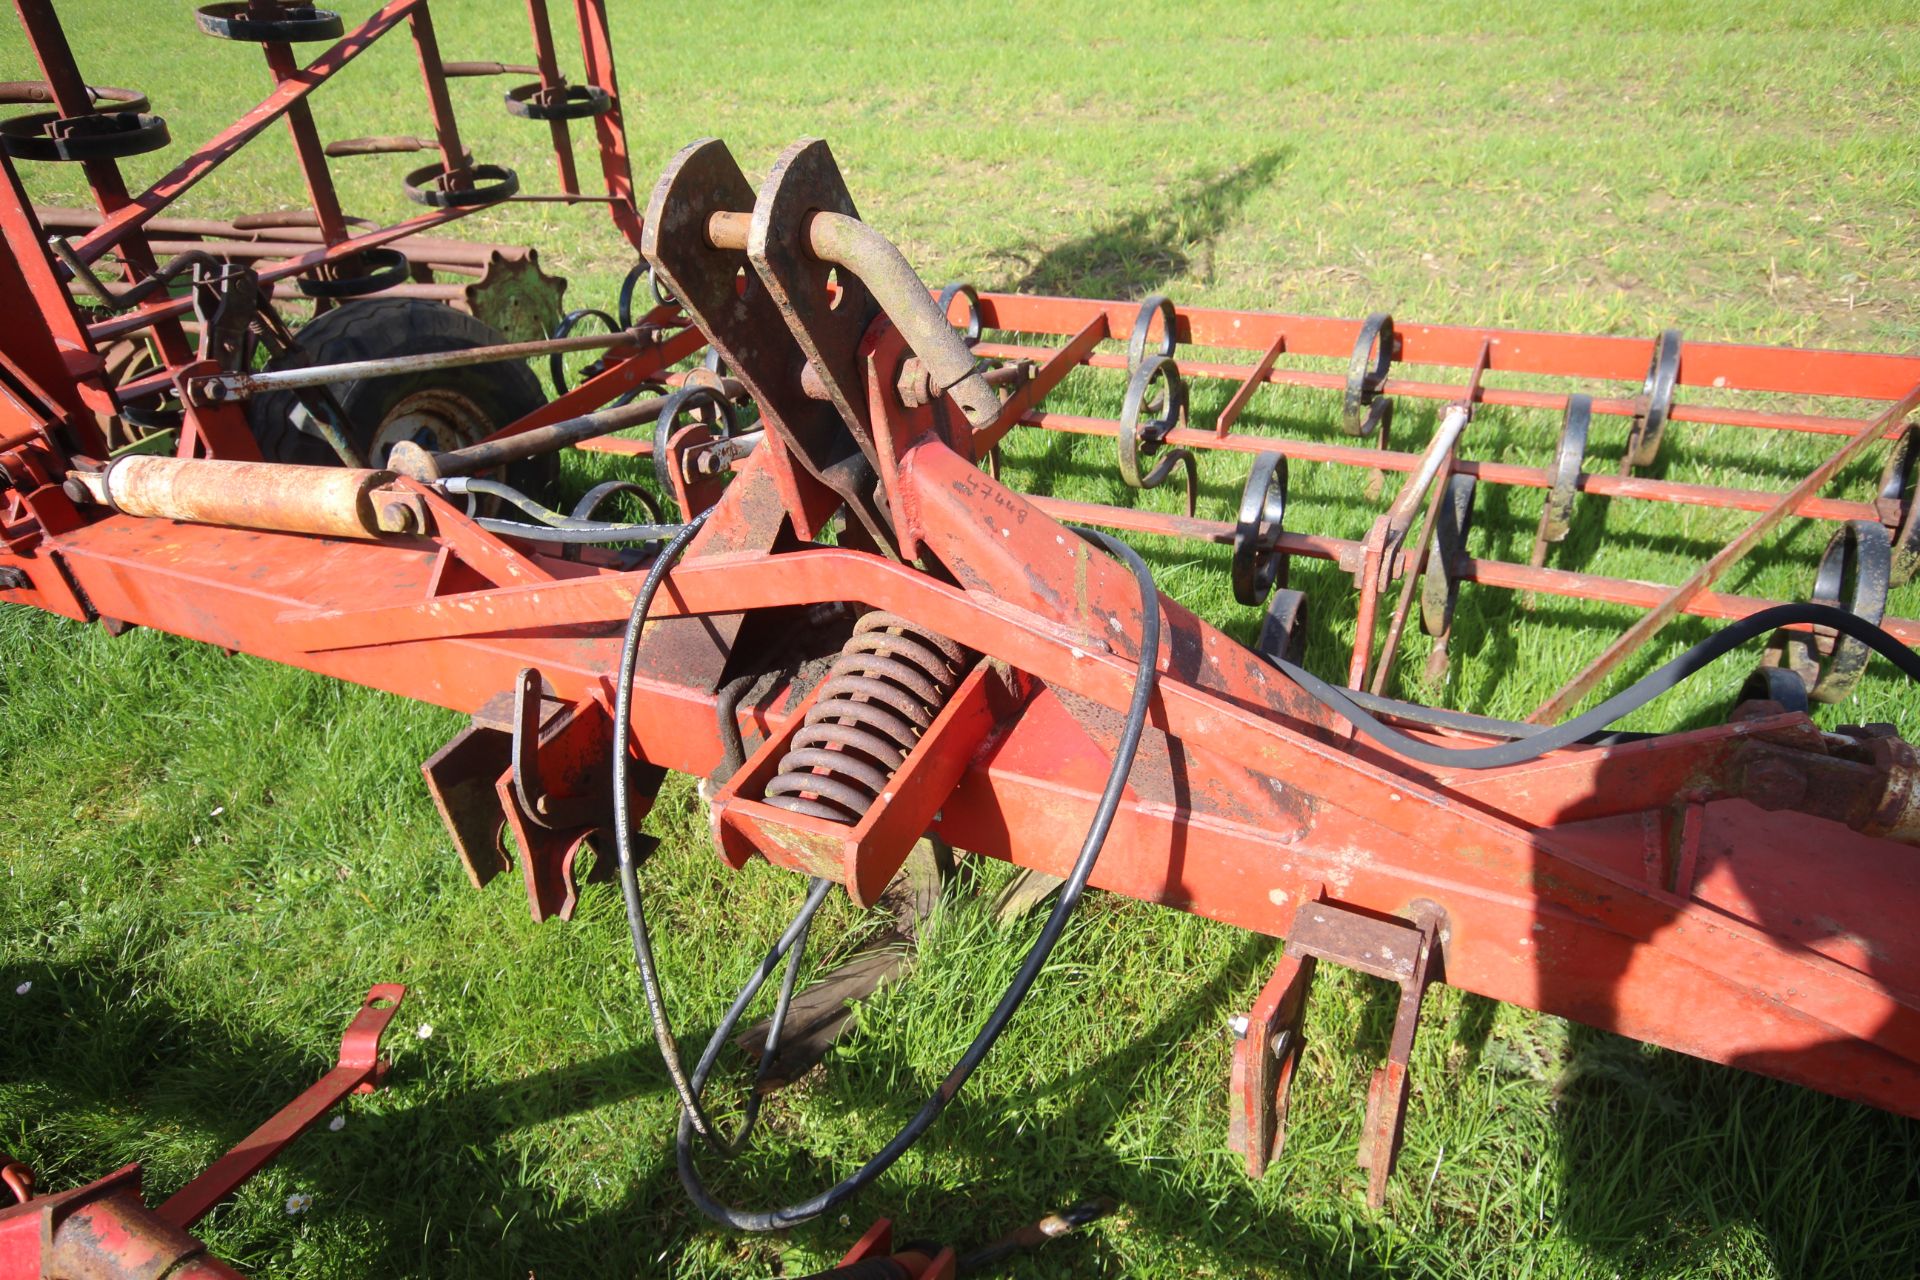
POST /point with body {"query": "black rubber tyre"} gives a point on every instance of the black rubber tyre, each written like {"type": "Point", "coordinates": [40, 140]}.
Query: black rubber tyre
{"type": "Point", "coordinates": [441, 408]}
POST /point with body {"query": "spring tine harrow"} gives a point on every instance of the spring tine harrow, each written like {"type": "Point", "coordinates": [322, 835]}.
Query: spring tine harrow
{"type": "Point", "coordinates": [838, 612]}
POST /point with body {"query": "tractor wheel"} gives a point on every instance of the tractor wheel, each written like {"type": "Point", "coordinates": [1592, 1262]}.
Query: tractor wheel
{"type": "Point", "coordinates": [440, 409]}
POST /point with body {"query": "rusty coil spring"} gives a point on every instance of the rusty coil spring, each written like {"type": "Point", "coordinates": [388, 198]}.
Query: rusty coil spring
{"type": "Point", "coordinates": [880, 695]}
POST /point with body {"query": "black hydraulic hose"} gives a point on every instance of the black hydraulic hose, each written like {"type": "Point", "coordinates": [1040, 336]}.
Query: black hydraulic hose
{"type": "Point", "coordinates": [791, 944]}
{"type": "Point", "coordinates": [1010, 1000]}
{"type": "Point", "coordinates": [629, 872]}
{"type": "Point", "coordinates": [1628, 700]}
{"type": "Point", "coordinates": [1487, 726]}
{"type": "Point", "coordinates": [465, 486]}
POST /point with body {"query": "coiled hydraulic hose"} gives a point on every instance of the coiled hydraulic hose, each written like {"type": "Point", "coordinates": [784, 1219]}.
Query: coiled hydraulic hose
{"type": "Point", "coordinates": [693, 1118]}
{"type": "Point", "coordinates": [791, 944]}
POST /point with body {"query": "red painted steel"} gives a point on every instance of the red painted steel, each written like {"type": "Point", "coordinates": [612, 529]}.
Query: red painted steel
{"type": "Point", "coordinates": [1597, 883]}
{"type": "Point", "coordinates": [104, 1231]}
{"type": "Point", "coordinates": [361, 1069]}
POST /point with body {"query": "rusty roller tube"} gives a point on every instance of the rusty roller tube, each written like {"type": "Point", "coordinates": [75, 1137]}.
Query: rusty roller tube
{"type": "Point", "coordinates": [882, 692]}
{"type": "Point", "coordinates": [334, 502]}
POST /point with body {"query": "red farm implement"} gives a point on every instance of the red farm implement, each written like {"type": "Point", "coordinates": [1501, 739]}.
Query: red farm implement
{"type": "Point", "coordinates": [842, 619]}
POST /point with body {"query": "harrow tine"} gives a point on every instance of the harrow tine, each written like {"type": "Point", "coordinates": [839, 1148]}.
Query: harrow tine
{"type": "Point", "coordinates": [1707, 574]}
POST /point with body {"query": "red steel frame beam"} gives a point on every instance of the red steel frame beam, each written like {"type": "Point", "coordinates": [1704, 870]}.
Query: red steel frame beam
{"type": "Point", "coordinates": [1608, 950]}
{"type": "Point", "coordinates": [1726, 365]}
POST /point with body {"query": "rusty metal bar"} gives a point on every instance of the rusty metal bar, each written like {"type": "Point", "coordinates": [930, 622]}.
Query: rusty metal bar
{"type": "Point", "coordinates": [551, 79]}
{"type": "Point", "coordinates": [360, 1070]}
{"type": "Point", "coordinates": [446, 127]}
{"type": "Point", "coordinates": [238, 386]}
{"type": "Point", "coordinates": [412, 460]}
{"type": "Point", "coordinates": [1254, 380]}
{"type": "Point", "coordinates": [1045, 379]}
{"type": "Point", "coordinates": [312, 157]}
{"type": "Point", "coordinates": [852, 244]}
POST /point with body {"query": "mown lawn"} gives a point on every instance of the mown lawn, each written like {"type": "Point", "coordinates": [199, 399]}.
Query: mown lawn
{"type": "Point", "coordinates": [208, 859]}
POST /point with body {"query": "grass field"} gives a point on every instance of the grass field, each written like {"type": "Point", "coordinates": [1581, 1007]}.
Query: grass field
{"type": "Point", "coordinates": [207, 859]}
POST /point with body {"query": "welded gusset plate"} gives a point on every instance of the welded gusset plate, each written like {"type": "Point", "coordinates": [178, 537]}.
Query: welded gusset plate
{"type": "Point", "coordinates": [724, 296]}
{"type": "Point", "coordinates": [536, 766]}
{"type": "Point", "coordinates": [805, 181]}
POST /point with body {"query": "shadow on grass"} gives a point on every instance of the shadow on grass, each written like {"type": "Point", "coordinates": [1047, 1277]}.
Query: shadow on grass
{"type": "Point", "coordinates": [1129, 255]}
{"type": "Point", "coordinates": [432, 1186]}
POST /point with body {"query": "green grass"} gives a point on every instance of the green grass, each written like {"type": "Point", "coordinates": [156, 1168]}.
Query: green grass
{"type": "Point", "coordinates": [208, 859]}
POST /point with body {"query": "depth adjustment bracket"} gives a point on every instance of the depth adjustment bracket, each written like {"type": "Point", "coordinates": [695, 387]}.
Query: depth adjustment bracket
{"type": "Point", "coordinates": [536, 765]}
{"type": "Point", "coordinates": [1271, 1036]}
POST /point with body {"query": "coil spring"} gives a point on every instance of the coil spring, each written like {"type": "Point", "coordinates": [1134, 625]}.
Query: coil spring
{"type": "Point", "coordinates": [880, 695]}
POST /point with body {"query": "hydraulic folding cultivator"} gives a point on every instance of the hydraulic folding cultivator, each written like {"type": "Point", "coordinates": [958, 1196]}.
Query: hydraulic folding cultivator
{"type": "Point", "coordinates": [841, 618]}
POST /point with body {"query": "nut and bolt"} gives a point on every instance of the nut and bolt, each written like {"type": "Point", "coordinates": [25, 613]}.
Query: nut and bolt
{"type": "Point", "coordinates": [398, 517]}
{"type": "Point", "coordinates": [915, 384]}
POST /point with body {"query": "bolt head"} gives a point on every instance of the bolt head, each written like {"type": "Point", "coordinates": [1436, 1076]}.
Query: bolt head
{"type": "Point", "coordinates": [397, 517]}
{"type": "Point", "coordinates": [1238, 1024]}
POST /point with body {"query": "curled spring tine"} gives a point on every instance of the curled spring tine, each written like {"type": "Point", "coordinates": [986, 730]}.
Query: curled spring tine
{"type": "Point", "coordinates": [960, 289]}
{"type": "Point", "coordinates": [1900, 505]}
{"type": "Point", "coordinates": [1257, 564]}
{"type": "Point", "coordinates": [1656, 396]}
{"type": "Point", "coordinates": [708, 401]}
{"type": "Point", "coordinates": [1775, 684]}
{"type": "Point", "coordinates": [1172, 459]}
{"type": "Point", "coordinates": [623, 307]}
{"type": "Point", "coordinates": [1556, 517]}
{"type": "Point", "coordinates": [1854, 574]}
{"type": "Point", "coordinates": [1364, 411]}
{"type": "Point", "coordinates": [592, 499]}
{"type": "Point", "coordinates": [1440, 586]}
{"type": "Point", "coordinates": [1140, 435]}
{"type": "Point", "coordinates": [1155, 305]}
{"type": "Point", "coordinates": [557, 362]}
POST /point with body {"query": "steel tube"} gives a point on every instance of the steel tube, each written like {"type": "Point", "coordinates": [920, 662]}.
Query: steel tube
{"type": "Point", "coordinates": [877, 261]}
{"type": "Point", "coordinates": [238, 386]}
{"type": "Point", "coordinates": [410, 459]}
{"type": "Point", "coordinates": [333, 502]}
{"type": "Point", "coordinates": [852, 244]}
